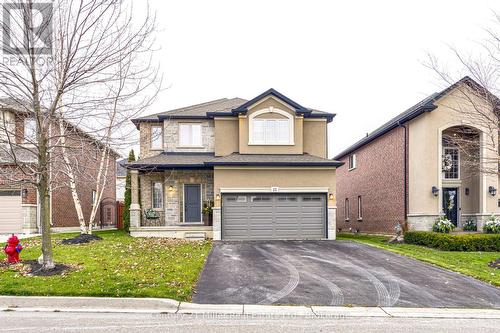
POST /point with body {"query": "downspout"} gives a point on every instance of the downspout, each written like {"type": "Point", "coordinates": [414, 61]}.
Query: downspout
{"type": "Point", "coordinates": [405, 164]}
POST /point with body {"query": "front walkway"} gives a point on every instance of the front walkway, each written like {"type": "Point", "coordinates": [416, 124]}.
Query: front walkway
{"type": "Point", "coordinates": [340, 273]}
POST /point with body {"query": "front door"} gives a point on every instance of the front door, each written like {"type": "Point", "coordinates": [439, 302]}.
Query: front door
{"type": "Point", "coordinates": [192, 203]}
{"type": "Point", "coordinates": [450, 204]}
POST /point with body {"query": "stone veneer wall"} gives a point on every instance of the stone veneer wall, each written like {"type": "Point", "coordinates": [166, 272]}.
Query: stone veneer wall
{"type": "Point", "coordinates": [171, 213]}
{"type": "Point", "coordinates": [171, 136]}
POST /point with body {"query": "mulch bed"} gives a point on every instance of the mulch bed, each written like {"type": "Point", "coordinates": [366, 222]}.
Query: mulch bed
{"type": "Point", "coordinates": [33, 268]}
{"type": "Point", "coordinates": [81, 239]}
{"type": "Point", "coordinates": [495, 264]}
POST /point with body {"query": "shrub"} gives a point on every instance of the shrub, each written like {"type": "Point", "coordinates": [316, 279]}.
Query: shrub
{"type": "Point", "coordinates": [492, 226]}
{"type": "Point", "coordinates": [443, 225]}
{"type": "Point", "coordinates": [470, 225]}
{"type": "Point", "coordinates": [446, 242]}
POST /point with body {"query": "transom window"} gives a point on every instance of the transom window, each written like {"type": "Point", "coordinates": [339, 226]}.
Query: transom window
{"type": "Point", "coordinates": [156, 137]}
{"type": "Point", "coordinates": [157, 189]}
{"type": "Point", "coordinates": [190, 135]}
{"type": "Point", "coordinates": [451, 163]}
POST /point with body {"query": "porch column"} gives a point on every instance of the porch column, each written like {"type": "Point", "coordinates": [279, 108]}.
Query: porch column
{"type": "Point", "coordinates": [135, 207]}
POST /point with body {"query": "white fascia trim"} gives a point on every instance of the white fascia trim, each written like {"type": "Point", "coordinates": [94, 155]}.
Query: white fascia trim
{"type": "Point", "coordinates": [271, 190]}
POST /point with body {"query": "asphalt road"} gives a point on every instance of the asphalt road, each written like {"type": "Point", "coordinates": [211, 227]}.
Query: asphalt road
{"type": "Point", "coordinates": [332, 273]}
{"type": "Point", "coordinates": [86, 322]}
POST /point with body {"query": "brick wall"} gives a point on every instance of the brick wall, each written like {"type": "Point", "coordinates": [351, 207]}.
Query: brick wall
{"type": "Point", "coordinates": [379, 179]}
{"type": "Point", "coordinates": [11, 177]}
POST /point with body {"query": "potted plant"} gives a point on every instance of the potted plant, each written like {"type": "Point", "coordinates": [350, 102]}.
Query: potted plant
{"type": "Point", "coordinates": [208, 212]}
{"type": "Point", "coordinates": [443, 225]}
{"type": "Point", "coordinates": [469, 225]}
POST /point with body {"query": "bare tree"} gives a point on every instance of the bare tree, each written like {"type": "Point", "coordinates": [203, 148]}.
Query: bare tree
{"type": "Point", "coordinates": [478, 106]}
{"type": "Point", "coordinates": [81, 75]}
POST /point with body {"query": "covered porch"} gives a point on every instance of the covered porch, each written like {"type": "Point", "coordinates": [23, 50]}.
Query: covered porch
{"type": "Point", "coordinates": [172, 200]}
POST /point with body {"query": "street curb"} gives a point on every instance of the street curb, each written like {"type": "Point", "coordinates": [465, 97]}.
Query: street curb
{"type": "Point", "coordinates": [173, 307]}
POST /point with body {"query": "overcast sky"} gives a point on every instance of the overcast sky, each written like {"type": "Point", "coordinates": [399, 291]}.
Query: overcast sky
{"type": "Point", "coordinates": [359, 59]}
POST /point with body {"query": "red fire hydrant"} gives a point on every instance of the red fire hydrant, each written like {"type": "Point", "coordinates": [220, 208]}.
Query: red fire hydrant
{"type": "Point", "coordinates": [12, 249]}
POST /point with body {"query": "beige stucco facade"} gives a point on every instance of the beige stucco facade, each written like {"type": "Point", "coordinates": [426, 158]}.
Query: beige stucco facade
{"type": "Point", "coordinates": [425, 134]}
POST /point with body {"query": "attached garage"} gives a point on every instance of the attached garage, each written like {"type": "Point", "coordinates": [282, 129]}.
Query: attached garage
{"type": "Point", "coordinates": [262, 216]}
{"type": "Point", "coordinates": [10, 212]}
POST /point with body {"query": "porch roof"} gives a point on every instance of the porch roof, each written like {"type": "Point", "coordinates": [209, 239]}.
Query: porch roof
{"type": "Point", "coordinates": [170, 160]}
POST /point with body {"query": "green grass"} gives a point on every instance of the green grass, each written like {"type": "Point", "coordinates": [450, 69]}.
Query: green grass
{"type": "Point", "coordinates": [474, 264]}
{"type": "Point", "coordinates": [117, 266]}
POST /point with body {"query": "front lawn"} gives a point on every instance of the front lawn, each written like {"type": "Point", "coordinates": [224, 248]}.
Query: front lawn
{"type": "Point", "coordinates": [117, 266]}
{"type": "Point", "coordinates": [474, 264]}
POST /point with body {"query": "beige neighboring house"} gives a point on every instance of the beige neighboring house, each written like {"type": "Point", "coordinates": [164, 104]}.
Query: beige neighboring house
{"type": "Point", "coordinates": [261, 163]}
{"type": "Point", "coordinates": [437, 158]}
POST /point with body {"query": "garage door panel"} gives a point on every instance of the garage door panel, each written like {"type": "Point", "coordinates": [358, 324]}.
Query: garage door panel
{"type": "Point", "coordinates": [10, 212]}
{"type": "Point", "coordinates": [274, 216]}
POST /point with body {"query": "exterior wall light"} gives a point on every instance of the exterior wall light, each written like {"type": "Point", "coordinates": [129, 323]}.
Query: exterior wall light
{"type": "Point", "coordinates": [330, 196]}
{"type": "Point", "coordinates": [170, 188]}
{"type": "Point", "coordinates": [467, 191]}
{"type": "Point", "coordinates": [492, 190]}
{"type": "Point", "coordinates": [435, 191]}
{"type": "Point", "coordinates": [24, 193]}
{"type": "Point", "coordinates": [217, 197]}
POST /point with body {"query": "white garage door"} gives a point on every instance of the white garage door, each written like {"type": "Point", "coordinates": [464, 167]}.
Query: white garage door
{"type": "Point", "coordinates": [273, 216]}
{"type": "Point", "coordinates": [11, 220]}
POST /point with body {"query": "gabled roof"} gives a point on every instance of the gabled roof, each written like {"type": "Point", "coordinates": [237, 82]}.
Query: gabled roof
{"type": "Point", "coordinates": [229, 107]}
{"type": "Point", "coordinates": [272, 92]}
{"type": "Point", "coordinates": [425, 105]}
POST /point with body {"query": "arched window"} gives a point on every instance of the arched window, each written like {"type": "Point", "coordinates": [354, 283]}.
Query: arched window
{"type": "Point", "coordinates": [271, 127]}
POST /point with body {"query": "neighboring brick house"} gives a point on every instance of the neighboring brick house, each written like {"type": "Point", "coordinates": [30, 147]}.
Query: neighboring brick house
{"type": "Point", "coordinates": [395, 175]}
{"type": "Point", "coordinates": [262, 164]}
{"type": "Point", "coordinates": [19, 208]}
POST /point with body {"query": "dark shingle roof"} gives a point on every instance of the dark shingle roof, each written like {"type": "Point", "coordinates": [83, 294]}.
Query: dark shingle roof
{"type": "Point", "coordinates": [169, 160]}
{"type": "Point", "coordinates": [274, 160]}
{"type": "Point", "coordinates": [425, 105]}
{"type": "Point", "coordinates": [228, 107]}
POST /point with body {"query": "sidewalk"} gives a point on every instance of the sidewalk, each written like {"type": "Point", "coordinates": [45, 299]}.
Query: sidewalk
{"type": "Point", "coordinates": [169, 306]}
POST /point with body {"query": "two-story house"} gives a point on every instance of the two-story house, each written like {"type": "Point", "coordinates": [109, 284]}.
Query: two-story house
{"type": "Point", "coordinates": [261, 163]}
{"type": "Point", "coordinates": [19, 204]}
{"type": "Point", "coordinates": [438, 158]}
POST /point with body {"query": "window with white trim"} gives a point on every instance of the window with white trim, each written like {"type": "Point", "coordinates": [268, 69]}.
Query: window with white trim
{"type": "Point", "coordinates": [190, 135]}
{"type": "Point", "coordinates": [360, 208]}
{"type": "Point", "coordinates": [352, 161]}
{"type": "Point", "coordinates": [451, 163]}
{"type": "Point", "coordinates": [29, 130]}
{"type": "Point", "coordinates": [156, 137]}
{"type": "Point", "coordinates": [271, 131]}
{"type": "Point", "coordinates": [157, 197]}
{"type": "Point", "coordinates": [346, 209]}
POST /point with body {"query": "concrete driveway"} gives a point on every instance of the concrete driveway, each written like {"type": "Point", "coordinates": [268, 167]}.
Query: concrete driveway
{"type": "Point", "coordinates": [332, 273]}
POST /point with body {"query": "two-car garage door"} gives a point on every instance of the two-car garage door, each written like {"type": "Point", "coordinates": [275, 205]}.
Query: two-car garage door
{"type": "Point", "coordinates": [273, 216]}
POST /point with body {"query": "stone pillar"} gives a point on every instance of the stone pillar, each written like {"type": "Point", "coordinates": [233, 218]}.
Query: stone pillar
{"type": "Point", "coordinates": [135, 207]}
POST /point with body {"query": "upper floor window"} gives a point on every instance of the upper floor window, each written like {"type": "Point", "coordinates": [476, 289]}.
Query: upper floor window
{"type": "Point", "coordinates": [352, 161]}
{"type": "Point", "coordinates": [156, 137]}
{"type": "Point", "coordinates": [190, 135]}
{"type": "Point", "coordinates": [451, 163]}
{"type": "Point", "coordinates": [29, 130]}
{"type": "Point", "coordinates": [271, 131]}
